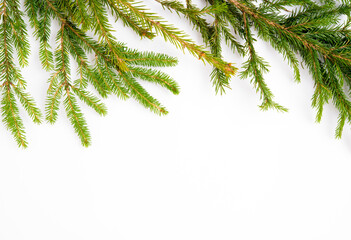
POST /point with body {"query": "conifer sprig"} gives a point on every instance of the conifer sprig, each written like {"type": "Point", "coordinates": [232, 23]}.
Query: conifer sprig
{"type": "Point", "coordinates": [103, 62]}
{"type": "Point", "coordinates": [311, 30]}
{"type": "Point", "coordinates": [175, 36]}
{"type": "Point", "coordinates": [113, 69]}
{"type": "Point", "coordinates": [14, 39]}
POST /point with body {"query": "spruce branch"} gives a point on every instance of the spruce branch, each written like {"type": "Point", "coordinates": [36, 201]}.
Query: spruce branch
{"type": "Point", "coordinates": [14, 38]}
{"type": "Point", "coordinates": [114, 69]}
{"type": "Point", "coordinates": [175, 36]}
{"type": "Point", "coordinates": [310, 30]}
{"type": "Point", "coordinates": [307, 32]}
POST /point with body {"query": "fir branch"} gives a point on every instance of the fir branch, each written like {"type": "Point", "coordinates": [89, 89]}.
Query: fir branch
{"type": "Point", "coordinates": [110, 72]}
{"type": "Point", "coordinates": [308, 30]}
{"type": "Point", "coordinates": [176, 37]}
{"type": "Point", "coordinates": [13, 36]}
{"type": "Point", "coordinates": [156, 77]}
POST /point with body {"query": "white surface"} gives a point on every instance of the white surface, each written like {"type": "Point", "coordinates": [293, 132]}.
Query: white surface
{"type": "Point", "coordinates": [215, 168]}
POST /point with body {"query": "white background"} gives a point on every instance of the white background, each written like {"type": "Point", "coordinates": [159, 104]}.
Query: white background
{"type": "Point", "coordinates": [216, 167]}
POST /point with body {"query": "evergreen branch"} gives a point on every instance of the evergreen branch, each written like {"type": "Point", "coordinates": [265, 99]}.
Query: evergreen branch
{"type": "Point", "coordinates": [28, 104]}
{"type": "Point", "coordinates": [90, 100]}
{"type": "Point", "coordinates": [11, 117]}
{"type": "Point", "coordinates": [130, 21]}
{"type": "Point", "coordinates": [193, 14]}
{"type": "Point", "coordinates": [76, 117]}
{"type": "Point", "coordinates": [13, 36]}
{"type": "Point", "coordinates": [142, 96]}
{"type": "Point", "coordinates": [104, 29]}
{"type": "Point", "coordinates": [156, 77]}
{"type": "Point", "coordinates": [52, 104]}
{"type": "Point", "coordinates": [113, 81]}
{"type": "Point", "coordinates": [255, 67]}
{"type": "Point", "coordinates": [43, 33]}
{"type": "Point", "coordinates": [149, 59]}
{"type": "Point", "coordinates": [305, 32]}
{"type": "Point", "coordinates": [177, 37]}
{"type": "Point", "coordinates": [307, 43]}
